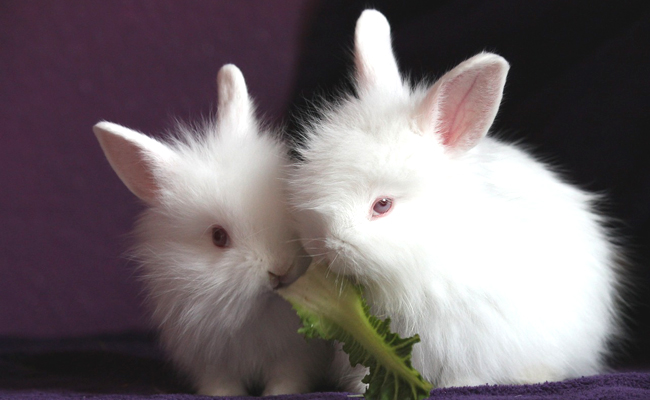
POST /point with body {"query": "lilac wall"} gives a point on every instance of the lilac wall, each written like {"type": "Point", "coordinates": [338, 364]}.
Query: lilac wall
{"type": "Point", "coordinates": [64, 65]}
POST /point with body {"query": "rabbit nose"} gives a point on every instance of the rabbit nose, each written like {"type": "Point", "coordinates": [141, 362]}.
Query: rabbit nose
{"type": "Point", "coordinates": [299, 266]}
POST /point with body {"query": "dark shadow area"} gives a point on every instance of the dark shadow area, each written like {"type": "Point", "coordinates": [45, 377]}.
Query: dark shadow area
{"type": "Point", "coordinates": [128, 363]}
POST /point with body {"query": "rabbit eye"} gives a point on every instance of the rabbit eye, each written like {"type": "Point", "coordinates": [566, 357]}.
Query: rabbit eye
{"type": "Point", "coordinates": [220, 237]}
{"type": "Point", "coordinates": [381, 207]}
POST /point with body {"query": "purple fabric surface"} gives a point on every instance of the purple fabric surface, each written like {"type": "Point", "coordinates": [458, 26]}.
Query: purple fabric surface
{"type": "Point", "coordinates": [625, 386]}
{"type": "Point", "coordinates": [633, 385]}
{"type": "Point", "coordinates": [130, 366]}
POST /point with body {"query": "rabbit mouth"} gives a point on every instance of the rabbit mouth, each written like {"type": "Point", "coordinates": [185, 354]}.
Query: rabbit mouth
{"type": "Point", "coordinates": [276, 281]}
{"type": "Point", "coordinates": [281, 281]}
{"type": "Point", "coordinates": [341, 257]}
{"type": "Point", "coordinates": [295, 271]}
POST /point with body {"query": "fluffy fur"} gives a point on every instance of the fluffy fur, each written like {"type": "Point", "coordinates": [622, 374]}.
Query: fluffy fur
{"type": "Point", "coordinates": [218, 316]}
{"type": "Point", "coordinates": [504, 270]}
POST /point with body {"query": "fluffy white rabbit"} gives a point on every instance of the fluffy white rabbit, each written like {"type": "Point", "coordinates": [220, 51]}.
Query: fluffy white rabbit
{"type": "Point", "coordinates": [214, 242]}
{"type": "Point", "coordinates": [505, 271]}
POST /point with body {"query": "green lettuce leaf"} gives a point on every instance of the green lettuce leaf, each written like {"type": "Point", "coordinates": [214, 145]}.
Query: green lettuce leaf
{"type": "Point", "coordinates": [333, 308]}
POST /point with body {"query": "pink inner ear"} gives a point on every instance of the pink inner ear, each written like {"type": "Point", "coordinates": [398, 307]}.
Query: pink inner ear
{"type": "Point", "coordinates": [465, 112]}
{"type": "Point", "coordinates": [461, 116]}
{"type": "Point", "coordinates": [462, 105]}
{"type": "Point", "coordinates": [132, 164]}
{"type": "Point", "coordinates": [136, 171]}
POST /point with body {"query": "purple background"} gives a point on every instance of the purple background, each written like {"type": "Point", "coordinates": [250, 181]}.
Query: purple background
{"type": "Point", "coordinates": [65, 65]}
{"type": "Point", "coordinates": [578, 90]}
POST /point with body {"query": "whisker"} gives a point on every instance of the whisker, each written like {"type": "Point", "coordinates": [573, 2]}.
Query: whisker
{"type": "Point", "coordinates": [317, 254]}
{"type": "Point", "coordinates": [256, 233]}
{"type": "Point", "coordinates": [308, 241]}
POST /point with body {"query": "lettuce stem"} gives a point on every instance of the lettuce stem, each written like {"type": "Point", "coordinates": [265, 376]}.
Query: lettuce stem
{"type": "Point", "coordinates": [333, 308]}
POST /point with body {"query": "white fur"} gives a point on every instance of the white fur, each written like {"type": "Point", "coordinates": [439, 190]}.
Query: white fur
{"type": "Point", "coordinates": [504, 270]}
{"type": "Point", "coordinates": [218, 316]}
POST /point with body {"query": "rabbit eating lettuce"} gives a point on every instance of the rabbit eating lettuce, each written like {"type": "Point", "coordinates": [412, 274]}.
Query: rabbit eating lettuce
{"type": "Point", "coordinates": [505, 271]}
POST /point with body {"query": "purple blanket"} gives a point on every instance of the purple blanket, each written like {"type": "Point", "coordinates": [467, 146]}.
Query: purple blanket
{"type": "Point", "coordinates": [616, 386]}
{"type": "Point", "coordinates": [131, 367]}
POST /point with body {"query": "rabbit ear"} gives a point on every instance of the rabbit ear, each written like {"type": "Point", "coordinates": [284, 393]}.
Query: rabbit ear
{"type": "Point", "coordinates": [235, 106]}
{"type": "Point", "coordinates": [136, 158]}
{"type": "Point", "coordinates": [375, 63]}
{"type": "Point", "coordinates": [462, 105]}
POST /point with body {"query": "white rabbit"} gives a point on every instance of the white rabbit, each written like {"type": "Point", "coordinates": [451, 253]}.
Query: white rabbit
{"type": "Point", "coordinates": [505, 271]}
{"type": "Point", "coordinates": [214, 242]}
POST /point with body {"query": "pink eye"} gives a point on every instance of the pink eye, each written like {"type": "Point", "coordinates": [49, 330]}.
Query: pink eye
{"type": "Point", "coordinates": [220, 237]}
{"type": "Point", "coordinates": [381, 207]}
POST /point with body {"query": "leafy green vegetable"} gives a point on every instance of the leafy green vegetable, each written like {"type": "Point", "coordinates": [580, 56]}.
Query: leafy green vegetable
{"type": "Point", "coordinates": [333, 308]}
